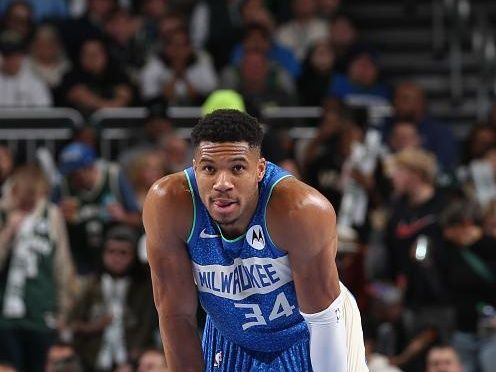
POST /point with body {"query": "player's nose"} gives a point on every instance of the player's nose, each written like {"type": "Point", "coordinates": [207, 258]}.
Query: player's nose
{"type": "Point", "coordinates": [223, 182]}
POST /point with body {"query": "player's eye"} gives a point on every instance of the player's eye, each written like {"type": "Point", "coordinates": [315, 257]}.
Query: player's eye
{"type": "Point", "coordinates": [238, 168]}
{"type": "Point", "coordinates": [208, 169]}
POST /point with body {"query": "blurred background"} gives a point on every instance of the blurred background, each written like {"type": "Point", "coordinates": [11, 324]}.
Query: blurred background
{"type": "Point", "coordinates": [386, 107]}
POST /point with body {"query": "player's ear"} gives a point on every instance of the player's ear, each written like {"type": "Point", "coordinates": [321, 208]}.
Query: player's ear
{"type": "Point", "coordinates": [194, 164]}
{"type": "Point", "coordinates": [262, 163]}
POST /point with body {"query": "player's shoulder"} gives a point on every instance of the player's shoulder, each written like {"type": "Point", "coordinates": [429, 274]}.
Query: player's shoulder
{"type": "Point", "coordinates": [296, 212]}
{"type": "Point", "coordinates": [171, 189]}
{"type": "Point", "coordinates": [292, 196]}
{"type": "Point", "coordinates": [170, 199]}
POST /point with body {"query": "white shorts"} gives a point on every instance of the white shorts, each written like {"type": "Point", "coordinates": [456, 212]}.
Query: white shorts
{"type": "Point", "coordinates": [354, 334]}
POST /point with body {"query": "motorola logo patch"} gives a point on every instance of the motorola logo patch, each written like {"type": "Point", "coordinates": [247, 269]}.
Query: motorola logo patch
{"type": "Point", "coordinates": [255, 237]}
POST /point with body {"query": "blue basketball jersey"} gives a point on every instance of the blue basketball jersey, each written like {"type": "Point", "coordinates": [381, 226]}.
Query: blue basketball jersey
{"type": "Point", "coordinates": [245, 284]}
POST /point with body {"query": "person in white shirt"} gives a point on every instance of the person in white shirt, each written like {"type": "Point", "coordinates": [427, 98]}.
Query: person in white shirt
{"type": "Point", "coordinates": [20, 87]}
{"type": "Point", "coordinates": [46, 59]}
{"type": "Point", "coordinates": [304, 30]}
{"type": "Point", "coordinates": [179, 74]}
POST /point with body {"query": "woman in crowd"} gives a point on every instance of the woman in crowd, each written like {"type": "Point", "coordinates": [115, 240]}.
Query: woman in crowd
{"type": "Point", "coordinates": [36, 271]}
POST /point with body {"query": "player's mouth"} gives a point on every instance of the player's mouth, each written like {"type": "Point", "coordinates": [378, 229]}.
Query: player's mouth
{"type": "Point", "coordinates": [224, 206]}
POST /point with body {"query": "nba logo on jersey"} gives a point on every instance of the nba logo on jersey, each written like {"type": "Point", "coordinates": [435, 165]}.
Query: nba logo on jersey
{"type": "Point", "coordinates": [255, 237]}
{"type": "Point", "coordinates": [218, 359]}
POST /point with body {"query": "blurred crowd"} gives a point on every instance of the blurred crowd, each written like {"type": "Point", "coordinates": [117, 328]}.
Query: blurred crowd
{"type": "Point", "coordinates": [416, 205]}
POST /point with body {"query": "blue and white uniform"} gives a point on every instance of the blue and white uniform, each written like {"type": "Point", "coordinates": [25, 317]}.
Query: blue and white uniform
{"type": "Point", "coordinates": [246, 287]}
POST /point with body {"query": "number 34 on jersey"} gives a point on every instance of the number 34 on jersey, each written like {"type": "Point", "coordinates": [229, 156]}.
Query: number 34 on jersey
{"type": "Point", "coordinates": [254, 313]}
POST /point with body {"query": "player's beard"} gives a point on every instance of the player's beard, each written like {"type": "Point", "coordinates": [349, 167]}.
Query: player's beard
{"type": "Point", "coordinates": [226, 222]}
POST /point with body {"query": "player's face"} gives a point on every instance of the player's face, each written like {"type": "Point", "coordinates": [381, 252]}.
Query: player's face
{"type": "Point", "coordinates": [227, 175]}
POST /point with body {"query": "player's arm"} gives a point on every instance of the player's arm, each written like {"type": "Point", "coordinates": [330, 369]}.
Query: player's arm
{"type": "Point", "coordinates": [167, 218]}
{"type": "Point", "coordinates": [303, 223]}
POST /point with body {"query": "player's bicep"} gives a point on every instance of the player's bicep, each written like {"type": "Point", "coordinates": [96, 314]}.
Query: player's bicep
{"type": "Point", "coordinates": [310, 239]}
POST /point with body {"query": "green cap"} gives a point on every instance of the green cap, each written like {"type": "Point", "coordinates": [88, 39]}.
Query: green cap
{"type": "Point", "coordinates": [223, 99]}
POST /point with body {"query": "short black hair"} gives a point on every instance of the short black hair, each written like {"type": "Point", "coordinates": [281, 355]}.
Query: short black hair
{"type": "Point", "coordinates": [227, 125]}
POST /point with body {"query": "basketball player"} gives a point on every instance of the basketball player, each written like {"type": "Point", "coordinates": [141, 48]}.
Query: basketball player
{"type": "Point", "coordinates": [260, 247]}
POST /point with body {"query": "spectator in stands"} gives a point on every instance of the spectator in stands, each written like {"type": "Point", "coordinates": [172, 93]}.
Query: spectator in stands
{"type": "Point", "coordinates": [114, 317]}
{"type": "Point", "coordinates": [404, 135]}
{"type": "Point", "coordinates": [42, 10]}
{"type": "Point", "coordinates": [94, 195]}
{"type": "Point", "coordinates": [176, 152]}
{"type": "Point", "coordinates": [148, 137]}
{"type": "Point", "coordinates": [414, 243]}
{"type": "Point", "coordinates": [478, 178]}
{"type": "Point", "coordinates": [90, 26]}
{"type": "Point", "coordinates": [36, 271]}
{"type": "Point", "coordinates": [86, 134]}
{"type": "Point", "coordinates": [157, 125]}
{"type": "Point", "coordinates": [18, 18]}
{"type": "Point", "coordinates": [316, 75]}
{"type": "Point", "coordinates": [304, 30]}
{"type": "Point", "coordinates": [258, 38]}
{"type": "Point", "coordinates": [479, 140]}
{"type": "Point", "coordinates": [443, 358]}
{"type": "Point", "coordinates": [328, 151]}
{"type": "Point", "coordinates": [472, 260]}
{"type": "Point", "coordinates": [167, 26]}
{"type": "Point", "coordinates": [152, 12]}
{"type": "Point", "coordinates": [343, 36]}
{"type": "Point", "coordinates": [152, 360]}
{"type": "Point", "coordinates": [277, 147]}
{"type": "Point", "coordinates": [47, 59]}
{"type": "Point", "coordinates": [179, 75]}
{"type": "Point", "coordinates": [214, 27]}
{"type": "Point", "coordinates": [396, 341]}
{"type": "Point", "coordinates": [96, 82]}
{"type": "Point", "coordinates": [19, 86]}
{"type": "Point", "coordinates": [260, 82]}
{"type": "Point", "coordinates": [144, 170]}
{"type": "Point", "coordinates": [361, 86]}
{"type": "Point", "coordinates": [255, 11]}
{"type": "Point", "coordinates": [409, 102]}
{"type": "Point", "coordinates": [124, 47]}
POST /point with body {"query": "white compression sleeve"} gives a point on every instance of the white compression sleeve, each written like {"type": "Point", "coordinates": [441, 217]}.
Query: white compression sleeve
{"type": "Point", "coordinates": [328, 337]}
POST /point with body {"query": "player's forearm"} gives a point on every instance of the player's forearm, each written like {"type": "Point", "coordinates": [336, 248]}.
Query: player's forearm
{"type": "Point", "coordinates": [328, 337]}
{"type": "Point", "coordinates": [181, 344]}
